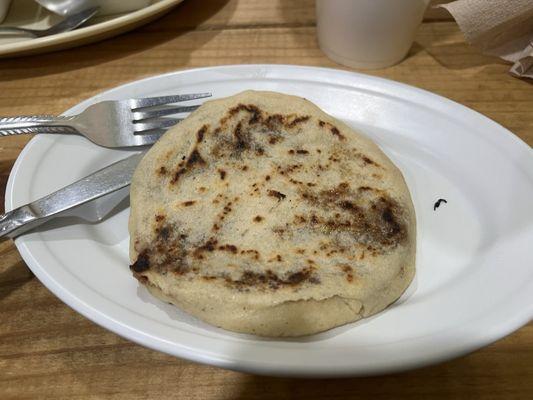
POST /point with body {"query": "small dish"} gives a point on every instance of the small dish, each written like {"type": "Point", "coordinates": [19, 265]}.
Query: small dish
{"type": "Point", "coordinates": [28, 14]}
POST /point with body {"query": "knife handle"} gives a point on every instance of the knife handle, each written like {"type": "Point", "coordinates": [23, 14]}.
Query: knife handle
{"type": "Point", "coordinates": [105, 181]}
{"type": "Point", "coordinates": [17, 221]}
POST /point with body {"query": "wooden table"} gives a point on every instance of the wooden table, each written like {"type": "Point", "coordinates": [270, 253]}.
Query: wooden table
{"type": "Point", "coordinates": [49, 351]}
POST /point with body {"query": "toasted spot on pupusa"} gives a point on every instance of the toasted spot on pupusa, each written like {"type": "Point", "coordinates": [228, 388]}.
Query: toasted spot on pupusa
{"type": "Point", "coordinates": [260, 213]}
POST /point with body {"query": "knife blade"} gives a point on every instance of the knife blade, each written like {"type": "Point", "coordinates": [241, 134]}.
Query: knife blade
{"type": "Point", "coordinates": [100, 183]}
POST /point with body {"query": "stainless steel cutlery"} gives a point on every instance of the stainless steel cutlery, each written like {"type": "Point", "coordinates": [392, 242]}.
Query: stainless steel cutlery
{"type": "Point", "coordinates": [120, 123]}
{"type": "Point", "coordinates": [103, 182]}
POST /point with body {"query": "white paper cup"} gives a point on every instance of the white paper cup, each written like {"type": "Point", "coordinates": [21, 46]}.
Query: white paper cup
{"type": "Point", "coordinates": [368, 33]}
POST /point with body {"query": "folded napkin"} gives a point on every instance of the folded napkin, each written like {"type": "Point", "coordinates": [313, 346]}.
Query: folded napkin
{"type": "Point", "coordinates": [502, 28]}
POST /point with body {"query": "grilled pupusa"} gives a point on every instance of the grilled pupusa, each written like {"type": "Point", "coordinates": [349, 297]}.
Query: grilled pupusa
{"type": "Point", "coordinates": [262, 214]}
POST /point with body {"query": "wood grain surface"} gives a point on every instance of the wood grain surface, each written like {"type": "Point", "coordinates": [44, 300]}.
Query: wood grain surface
{"type": "Point", "coordinates": [49, 351]}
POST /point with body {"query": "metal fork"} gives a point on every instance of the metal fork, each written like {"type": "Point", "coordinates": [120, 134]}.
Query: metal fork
{"type": "Point", "coordinates": [122, 123]}
{"type": "Point", "coordinates": [69, 23]}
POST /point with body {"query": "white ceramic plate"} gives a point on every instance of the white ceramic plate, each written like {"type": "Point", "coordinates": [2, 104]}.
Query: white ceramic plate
{"type": "Point", "coordinates": [474, 281]}
{"type": "Point", "coordinates": [28, 14]}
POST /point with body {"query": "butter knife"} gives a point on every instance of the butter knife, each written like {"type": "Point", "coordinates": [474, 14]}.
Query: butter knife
{"type": "Point", "coordinates": [100, 183]}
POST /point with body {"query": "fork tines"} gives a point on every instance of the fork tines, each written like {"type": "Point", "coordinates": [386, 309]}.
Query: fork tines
{"type": "Point", "coordinates": [160, 100]}
{"type": "Point", "coordinates": [151, 108]}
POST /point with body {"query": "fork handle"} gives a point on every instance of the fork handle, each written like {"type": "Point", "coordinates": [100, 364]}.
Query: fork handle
{"type": "Point", "coordinates": [28, 124]}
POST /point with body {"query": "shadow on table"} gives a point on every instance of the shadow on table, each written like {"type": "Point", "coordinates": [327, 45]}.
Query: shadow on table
{"type": "Point", "coordinates": [448, 380]}
{"type": "Point", "coordinates": [461, 56]}
{"type": "Point", "coordinates": [413, 51]}
{"type": "Point", "coordinates": [13, 270]}
{"type": "Point", "coordinates": [450, 50]}
{"type": "Point", "coordinates": [184, 18]}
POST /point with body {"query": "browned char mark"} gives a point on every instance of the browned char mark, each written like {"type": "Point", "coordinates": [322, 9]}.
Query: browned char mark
{"type": "Point", "coordinates": [256, 114]}
{"type": "Point", "coordinates": [243, 137]}
{"type": "Point", "coordinates": [250, 123]}
{"type": "Point", "coordinates": [251, 252]}
{"type": "Point", "coordinates": [368, 161]}
{"type": "Point", "coordinates": [271, 280]}
{"type": "Point", "coordinates": [369, 215]}
{"type": "Point", "coordinates": [201, 132]}
{"type": "Point", "coordinates": [229, 247]}
{"type": "Point", "coordinates": [194, 160]}
{"type": "Point", "coordinates": [142, 263]}
{"type": "Point", "coordinates": [348, 271]}
{"type": "Point", "coordinates": [166, 253]}
{"type": "Point", "coordinates": [208, 246]}
{"type": "Point", "coordinates": [332, 128]}
{"type": "Point", "coordinates": [297, 121]}
{"type": "Point", "coordinates": [298, 151]}
{"type": "Point", "coordinates": [274, 193]}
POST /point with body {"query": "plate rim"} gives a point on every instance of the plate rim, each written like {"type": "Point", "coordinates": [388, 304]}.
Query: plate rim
{"type": "Point", "coordinates": [143, 338]}
{"type": "Point", "coordinates": [24, 46]}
